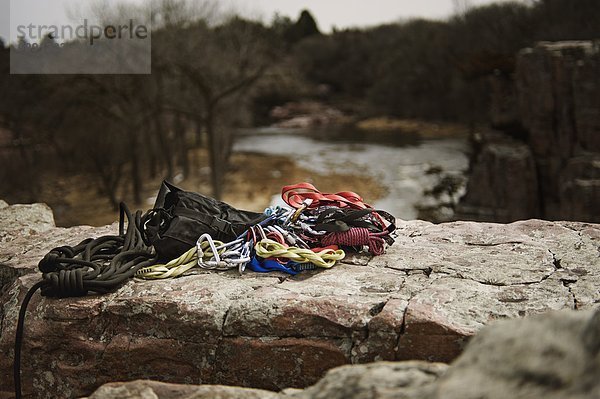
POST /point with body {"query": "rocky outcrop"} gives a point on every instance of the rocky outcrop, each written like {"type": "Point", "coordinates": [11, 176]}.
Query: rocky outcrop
{"type": "Point", "coordinates": [557, 96]}
{"type": "Point", "coordinates": [555, 355]}
{"type": "Point", "coordinates": [423, 300]}
{"type": "Point", "coordinates": [558, 87]}
{"type": "Point", "coordinates": [492, 194]}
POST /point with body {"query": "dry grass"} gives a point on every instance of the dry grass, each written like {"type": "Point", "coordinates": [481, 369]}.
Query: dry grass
{"type": "Point", "coordinates": [423, 128]}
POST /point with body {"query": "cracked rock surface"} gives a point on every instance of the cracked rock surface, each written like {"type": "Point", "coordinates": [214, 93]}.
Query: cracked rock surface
{"type": "Point", "coordinates": [433, 290]}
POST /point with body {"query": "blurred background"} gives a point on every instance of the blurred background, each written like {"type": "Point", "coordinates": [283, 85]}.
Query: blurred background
{"type": "Point", "coordinates": [440, 110]}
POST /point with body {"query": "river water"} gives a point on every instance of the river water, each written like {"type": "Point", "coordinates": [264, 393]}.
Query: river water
{"type": "Point", "coordinates": [407, 165]}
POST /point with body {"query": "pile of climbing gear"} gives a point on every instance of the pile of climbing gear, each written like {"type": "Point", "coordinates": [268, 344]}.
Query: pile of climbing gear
{"type": "Point", "coordinates": [186, 230]}
{"type": "Point", "coordinates": [313, 231]}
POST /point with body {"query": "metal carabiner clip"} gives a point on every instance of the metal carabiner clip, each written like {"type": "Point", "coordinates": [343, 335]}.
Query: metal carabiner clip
{"type": "Point", "coordinates": [294, 216]}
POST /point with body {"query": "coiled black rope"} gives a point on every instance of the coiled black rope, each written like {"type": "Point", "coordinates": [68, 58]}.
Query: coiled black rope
{"type": "Point", "coordinates": [98, 265]}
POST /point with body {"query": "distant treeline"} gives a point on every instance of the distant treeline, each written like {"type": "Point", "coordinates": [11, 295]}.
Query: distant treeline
{"type": "Point", "coordinates": [439, 69]}
{"type": "Point", "coordinates": [210, 75]}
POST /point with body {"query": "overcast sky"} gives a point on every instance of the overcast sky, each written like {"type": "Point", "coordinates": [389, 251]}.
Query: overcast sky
{"type": "Point", "coordinates": [353, 13]}
{"type": "Point", "coordinates": [328, 13]}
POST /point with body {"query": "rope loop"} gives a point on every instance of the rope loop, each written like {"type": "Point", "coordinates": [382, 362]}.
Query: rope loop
{"type": "Point", "coordinates": [49, 261]}
{"type": "Point", "coordinates": [356, 236]}
{"type": "Point", "coordinates": [99, 265]}
{"type": "Point", "coordinates": [64, 283]}
{"type": "Point", "coordinates": [296, 194]}
{"type": "Point", "coordinates": [325, 258]}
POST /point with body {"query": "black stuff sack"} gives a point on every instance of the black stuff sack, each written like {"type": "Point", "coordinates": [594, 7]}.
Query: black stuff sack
{"type": "Point", "coordinates": [180, 217]}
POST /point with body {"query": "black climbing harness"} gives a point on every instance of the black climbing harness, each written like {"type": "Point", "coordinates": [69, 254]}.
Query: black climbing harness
{"type": "Point", "coordinates": [179, 217]}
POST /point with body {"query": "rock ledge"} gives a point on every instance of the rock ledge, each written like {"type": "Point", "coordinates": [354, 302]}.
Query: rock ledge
{"type": "Point", "coordinates": [423, 300]}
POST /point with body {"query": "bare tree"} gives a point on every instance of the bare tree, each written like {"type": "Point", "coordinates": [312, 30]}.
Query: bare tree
{"type": "Point", "coordinates": [215, 64]}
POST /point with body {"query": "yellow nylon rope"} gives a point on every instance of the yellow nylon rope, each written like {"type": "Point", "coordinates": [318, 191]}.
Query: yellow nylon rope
{"type": "Point", "coordinates": [177, 267]}
{"type": "Point", "coordinates": [265, 248]}
{"type": "Point", "coordinates": [326, 258]}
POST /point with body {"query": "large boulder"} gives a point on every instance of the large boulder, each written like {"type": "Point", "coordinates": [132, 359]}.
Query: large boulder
{"type": "Point", "coordinates": [436, 287]}
{"type": "Point", "coordinates": [552, 356]}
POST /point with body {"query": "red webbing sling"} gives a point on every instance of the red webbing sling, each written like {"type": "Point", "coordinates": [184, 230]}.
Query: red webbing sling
{"type": "Point", "coordinates": [294, 195]}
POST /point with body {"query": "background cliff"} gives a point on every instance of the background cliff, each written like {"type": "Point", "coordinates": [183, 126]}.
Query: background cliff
{"type": "Point", "coordinates": [544, 158]}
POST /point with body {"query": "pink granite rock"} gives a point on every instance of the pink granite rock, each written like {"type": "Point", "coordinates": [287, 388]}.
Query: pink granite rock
{"type": "Point", "coordinates": [433, 290]}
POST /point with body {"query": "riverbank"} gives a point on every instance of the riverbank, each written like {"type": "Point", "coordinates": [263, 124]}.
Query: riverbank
{"type": "Point", "coordinates": [423, 177]}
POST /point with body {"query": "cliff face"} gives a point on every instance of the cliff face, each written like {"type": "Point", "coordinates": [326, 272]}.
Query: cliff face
{"type": "Point", "coordinates": [556, 173]}
{"type": "Point", "coordinates": [434, 289]}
